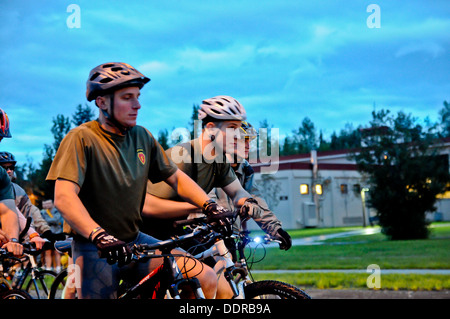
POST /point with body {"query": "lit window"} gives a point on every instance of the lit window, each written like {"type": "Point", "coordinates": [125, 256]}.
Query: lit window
{"type": "Point", "coordinates": [304, 189]}
{"type": "Point", "coordinates": [318, 189]}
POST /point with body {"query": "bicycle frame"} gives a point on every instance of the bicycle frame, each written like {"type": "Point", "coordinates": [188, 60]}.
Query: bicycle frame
{"type": "Point", "coordinates": [31, 267]}
{"type": "Point", "coordinates": [236, 273]}
{"type": "Point", "coordinates": [224, 262]}
{"type": "Point", "coordinates": [167, 279]}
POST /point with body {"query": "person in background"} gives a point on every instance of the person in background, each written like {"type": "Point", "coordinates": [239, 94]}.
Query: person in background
{"type": "Point", "coordinates": [237, 156]}
{"type": "Point", "coordinates": [23, 202]}
{"type": "Point", "coordinates": [9, 219]}
{"type": "Point", "coordinates": [54, 219]}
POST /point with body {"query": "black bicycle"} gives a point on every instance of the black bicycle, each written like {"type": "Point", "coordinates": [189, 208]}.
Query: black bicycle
{"type": "Point", "coordinates": [7, 260]}
{"type": "Point", "coordinates": [28, 279]}
{"type": "Point", "coordinates": [166, 281]}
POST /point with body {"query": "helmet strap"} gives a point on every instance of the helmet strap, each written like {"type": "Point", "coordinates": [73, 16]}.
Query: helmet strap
{"type": "Point", "coordinates": [112, 120]}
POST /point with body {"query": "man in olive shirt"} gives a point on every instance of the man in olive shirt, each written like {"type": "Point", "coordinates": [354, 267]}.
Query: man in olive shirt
{"type": "Point", "coordinates": [204, 160]}
{"type": "Point", "coordinates": [101, 171]}
{"type": "Point", "coordinates": [207, 175]}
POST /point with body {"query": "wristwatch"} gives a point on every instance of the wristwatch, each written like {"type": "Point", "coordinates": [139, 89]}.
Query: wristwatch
{"type": "Point", "coordinates": [14, 240]}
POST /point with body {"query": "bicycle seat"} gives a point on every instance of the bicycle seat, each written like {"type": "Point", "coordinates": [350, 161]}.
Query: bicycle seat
{"type": "Point", "coordinates": [64, 246]}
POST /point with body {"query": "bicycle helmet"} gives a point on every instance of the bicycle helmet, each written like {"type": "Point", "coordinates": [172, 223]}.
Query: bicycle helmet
{"type": "Point", "coordinates": [222, 108]}
{"type": "Point", "coordinates": [4, 124]}
{"type": "Point", "coordinates": [6, 158]}
{"type": "Point", "coordinates": [247, 130]}
{"type": "Point", "coordinates": [108, 77]}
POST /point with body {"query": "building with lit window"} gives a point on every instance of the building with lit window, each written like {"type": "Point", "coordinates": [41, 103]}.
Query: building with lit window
{"type": "Point", "coordinates": [324, 189]}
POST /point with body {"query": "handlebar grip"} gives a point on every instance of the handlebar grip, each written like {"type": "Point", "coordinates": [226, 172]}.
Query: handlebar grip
{"type": "Point", "coordinates": [207, 219]}
{"type": "Point", "coordinates": [186, 222]}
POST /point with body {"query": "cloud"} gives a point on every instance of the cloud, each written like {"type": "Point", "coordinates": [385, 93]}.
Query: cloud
{"type": "Point", "coordinates": [283, 60]}
{"type": "Point", "coordinates": [430, 48]}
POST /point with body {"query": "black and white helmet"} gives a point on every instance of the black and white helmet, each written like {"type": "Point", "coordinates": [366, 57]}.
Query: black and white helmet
{"type": "Point", "coordinates": [222, 108]}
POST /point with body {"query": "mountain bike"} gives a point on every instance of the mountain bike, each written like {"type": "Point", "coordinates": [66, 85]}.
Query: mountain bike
{"type": "Point", "coordinates": [166, 281]}
{"type": "Point", "coordinates": [6, 290]}
{"type": "Point", "coordinates": [65, 279]}
{"type": "Point", "coordinates": [237, 271]}
{"type": "Point", "coordinates": [14, 290]}
{"type": "Point", "coordinates": [29, 277]}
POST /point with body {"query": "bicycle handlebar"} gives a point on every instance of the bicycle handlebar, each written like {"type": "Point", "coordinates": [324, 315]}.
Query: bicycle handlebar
{"type": "Point", "coordinates": [205, 220]}
{"type": "Point", "coordinates": [28, 249]}
{"type": "Point", "coordinates": [169, 243]}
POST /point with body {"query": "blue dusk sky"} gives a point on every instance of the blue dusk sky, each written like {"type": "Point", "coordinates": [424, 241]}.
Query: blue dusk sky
{"type": "Point", "coordinates": [331, 61]}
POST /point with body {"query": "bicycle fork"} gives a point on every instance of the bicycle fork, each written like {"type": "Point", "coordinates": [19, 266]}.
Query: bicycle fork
{"type": "Point", "coordinates": [224, 263]}
{"type": "Point", "coordinates": [179, 280]}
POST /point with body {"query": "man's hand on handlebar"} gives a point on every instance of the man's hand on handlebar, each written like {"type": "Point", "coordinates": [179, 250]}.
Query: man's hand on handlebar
{"type": "Point", "coordinates": [285, 238]}
{"type": "Point", "coordinates": [14, 248]}
{"type": "Point", "coordinates": [111, 248]}
{"type": "Point", "coordinates": [222, 216]}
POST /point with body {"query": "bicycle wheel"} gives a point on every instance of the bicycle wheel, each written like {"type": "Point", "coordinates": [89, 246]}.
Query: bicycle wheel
{"type": "Point", "coordinates": [271, 289]}
{"type": "Point", "coordinates": [14, 294]}
{"type": "Point", "coordinates": [40, 285]}
{"type": "Point", "coordinates": [57, 288]}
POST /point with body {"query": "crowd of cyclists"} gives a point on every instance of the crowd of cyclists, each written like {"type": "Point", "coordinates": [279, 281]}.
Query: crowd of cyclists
{"type": "Point", "coordinates": [115, 186]}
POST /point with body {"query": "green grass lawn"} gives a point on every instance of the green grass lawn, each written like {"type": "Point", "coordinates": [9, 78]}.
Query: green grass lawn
{"type": "Point", "coordinates": [357, 252]}
{"type": "Point", "coordinates": [359, 281]}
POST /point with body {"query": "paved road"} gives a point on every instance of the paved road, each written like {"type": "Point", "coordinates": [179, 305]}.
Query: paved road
{"type": "Point", "coordinates": [376, 294]}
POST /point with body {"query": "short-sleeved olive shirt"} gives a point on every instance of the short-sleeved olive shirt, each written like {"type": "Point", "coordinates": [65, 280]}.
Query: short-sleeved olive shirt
{"type": "Point", "coordinates": [112, 172]}
{"type": "Point", "coordinates": [207, 174]}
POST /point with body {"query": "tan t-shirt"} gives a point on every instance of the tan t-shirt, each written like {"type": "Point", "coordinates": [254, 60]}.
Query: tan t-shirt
{"type": "Point", "coordinates": [112, 172]}
{"type": "Point", "coordinates": [207, 174]}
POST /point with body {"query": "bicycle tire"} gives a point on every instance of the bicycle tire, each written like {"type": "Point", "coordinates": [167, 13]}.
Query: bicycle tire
{"type": "Point", "coordinates": [272, 289]}
{"type": "Point", "coordinates": [15, 294]}
{"type": "Point", "coordinates": [43, 283]}
{"type": "Point", "coordinates": [58, 285]}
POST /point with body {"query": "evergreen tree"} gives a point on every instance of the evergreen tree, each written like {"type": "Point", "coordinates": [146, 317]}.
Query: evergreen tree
{"type": "Point", "coordinates": [445, 119]}
{"type": "Point", "coordinates": [163, 139]}
{"type": "Point", "coordinates": [82, 115]}
{"type": "Point", "coordinates": [405, 173]}
{"type": "Point", "coordinates": [305, 136]}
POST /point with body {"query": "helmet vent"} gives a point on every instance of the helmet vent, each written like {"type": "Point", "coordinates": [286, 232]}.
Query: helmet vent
{"type": "Point", "coordinates": [106, 80]}
{"type": "Point", "coordinates": [94, 76]}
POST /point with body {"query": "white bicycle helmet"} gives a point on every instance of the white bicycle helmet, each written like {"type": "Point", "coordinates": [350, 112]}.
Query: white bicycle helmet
{"type": "Point", "coordinates": [222, 108]}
